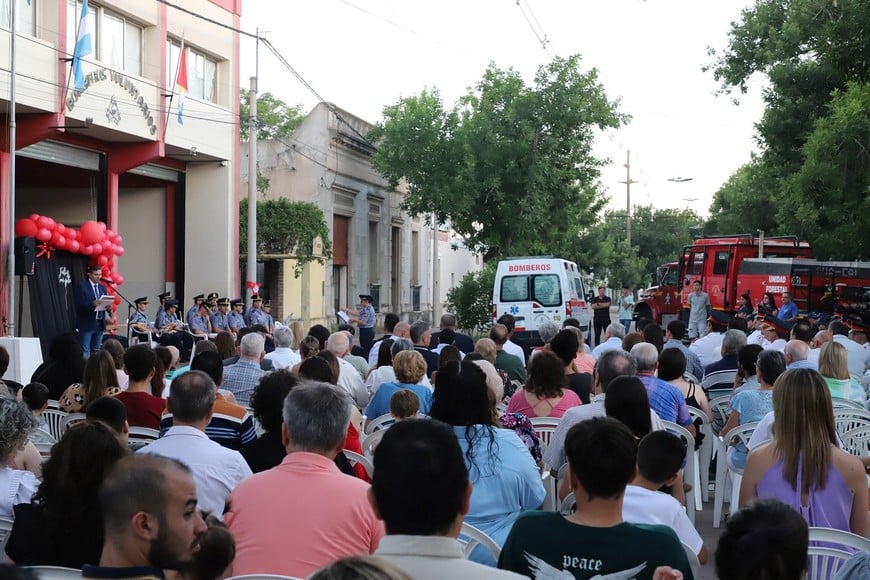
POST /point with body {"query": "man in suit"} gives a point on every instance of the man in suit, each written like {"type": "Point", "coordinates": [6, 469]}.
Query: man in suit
{"type": "Point", "coordinates": [461, 341]}
{"type": "Point", "coordinates": [89, 322]}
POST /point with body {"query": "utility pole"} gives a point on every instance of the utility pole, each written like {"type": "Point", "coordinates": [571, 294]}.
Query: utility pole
{"type": "Point", "coordinates": [628, 183]}
{"type": "Point", "coordinates": [436, 273]}
{"type": "Point", "coordinates": [252, 185]}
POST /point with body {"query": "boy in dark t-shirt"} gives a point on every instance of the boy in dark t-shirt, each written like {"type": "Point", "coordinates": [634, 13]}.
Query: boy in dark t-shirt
{"type": "Point", "coordinates": [594, 541]}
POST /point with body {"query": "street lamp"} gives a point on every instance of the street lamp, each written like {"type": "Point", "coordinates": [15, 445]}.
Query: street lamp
{"type": "Point", "coordinates": [679, 179]}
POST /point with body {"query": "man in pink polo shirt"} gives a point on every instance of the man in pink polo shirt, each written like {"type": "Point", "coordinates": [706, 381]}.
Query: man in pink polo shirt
{"type": "Point", "coordinates": [304, 513]}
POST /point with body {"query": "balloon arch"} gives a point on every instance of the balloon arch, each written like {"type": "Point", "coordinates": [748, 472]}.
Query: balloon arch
{"type": "Point", "coordinates": [92, 239]}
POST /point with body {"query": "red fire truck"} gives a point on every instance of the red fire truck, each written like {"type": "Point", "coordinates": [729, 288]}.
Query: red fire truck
{"type": "Point", "coordinates": [715, 261]}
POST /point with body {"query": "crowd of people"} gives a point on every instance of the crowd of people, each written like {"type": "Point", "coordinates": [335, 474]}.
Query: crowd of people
{"type": "Point", "coordinates": [250, 473]}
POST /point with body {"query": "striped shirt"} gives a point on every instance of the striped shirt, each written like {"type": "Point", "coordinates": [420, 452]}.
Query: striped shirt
{"type": "Point", "coordinates": [231, 425]}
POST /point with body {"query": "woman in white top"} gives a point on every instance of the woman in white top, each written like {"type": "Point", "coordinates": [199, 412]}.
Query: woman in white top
{"type": "Point", "coordinates": [16, 424]}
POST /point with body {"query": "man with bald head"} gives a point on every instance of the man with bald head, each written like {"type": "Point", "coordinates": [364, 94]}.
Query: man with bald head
{"type": "Point", "coordinates": [349, 379]}
{"type": "Point", "coordinates": [796, 353]}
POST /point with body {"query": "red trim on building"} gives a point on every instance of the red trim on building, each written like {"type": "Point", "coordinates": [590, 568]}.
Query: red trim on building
{"type": "Point", "coordinates": [234, 6]}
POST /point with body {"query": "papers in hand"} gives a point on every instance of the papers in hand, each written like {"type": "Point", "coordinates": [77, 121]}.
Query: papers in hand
{"type": "Point", "coordinates": [343, 315]}
{"type": "Point", "coordinates": [105, 303]}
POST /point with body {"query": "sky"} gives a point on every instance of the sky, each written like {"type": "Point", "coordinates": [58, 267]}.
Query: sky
{"type": "Point", "coordinates": [363, 55]}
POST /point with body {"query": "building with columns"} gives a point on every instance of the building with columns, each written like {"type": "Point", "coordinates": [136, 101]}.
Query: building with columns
{"type": "Point", "coordinates": [116, 151]}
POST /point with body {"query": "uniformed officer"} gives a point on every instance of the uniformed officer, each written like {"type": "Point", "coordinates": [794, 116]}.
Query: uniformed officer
{"type": "Point", "coordinates": [255, 314]}
{"type": "Point", "coordinates": [171, 329]}
{"type": "Point", "coordinates": [193, 311]}
{"type": "Point", "coordinates": [267, 312]}
{"type": "Point", "coordinates": [211, 301]}
{"type": "Point", "coordinates": [138, 320]}
{"type": "Point", "coordinates": [235, 319]}
{"type": "Point", "coordinates": [199, 323]}
{"type": "Point", "coordinates": [220, 319]}
{"type": "Point", "coordinates": [162, 299]}
{"type": "Point", "coordinates": [365, 318]}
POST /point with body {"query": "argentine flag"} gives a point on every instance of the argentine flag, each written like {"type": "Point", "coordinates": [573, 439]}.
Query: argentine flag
{"type": "Point", "coordinates": [84, 47]}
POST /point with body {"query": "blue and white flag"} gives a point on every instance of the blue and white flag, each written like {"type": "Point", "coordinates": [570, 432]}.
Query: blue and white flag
{"type": "Point", "coordinates": [84, 47]}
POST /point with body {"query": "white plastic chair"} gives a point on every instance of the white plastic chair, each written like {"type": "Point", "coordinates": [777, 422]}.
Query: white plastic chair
{"type": "Point", "coordinates": [857, 441]}
{"type": "Point", "coordinates": [53, 404]}
{"type": "Point", "coordinates": [44, 448]}
{"type": "Point", "coordinates": [824, 561]}
{"type": "Point", "coordinates": [847, 418]}
{"type": "Point", "coordinates": [718, 378]}
{"type": "Point", "coordinates": [371, 441]}
{"type": "Point", "coordinates": [694, 563]}
{"type": "Point", "coordinates": [70, 420]}
{"type": "Point", "coordinates": [689, 377]}
{"type": "Point", "coordinates": [545, 427]}
{"type": "Point", "coordinates": [705, 453]}
{"type": "Point", "coordinates": [840, 403]}
{"type": "Point", "coordinates": [568, 505]}
{"type": "Point", "coordinates": [145, 433]}
{"type": "Point", "coordinates": [471, 537]}
{"type": "Point", "coordinates": [42, 436]}
{"type": "Point", "coordinates": [726, 473]}
{"type": "Point", "coordinates": [355, 458]}
{"type": "Point", "coordinates": [53, 419]}
{"type": "Point", "coordinates": [690, 473]}
{"type": "Point", "coordinates": [721, 407]}
{"type": "Point", "coordinates": [382, 422]}
{"type": "Point", "coordinates": [54, 572]}
{"type": "Point", "coordinates": [5, 528]}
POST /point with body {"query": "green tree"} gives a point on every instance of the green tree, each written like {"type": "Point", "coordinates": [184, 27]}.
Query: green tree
{"type": "Point", "coordinates": [510, 166]}
{"type": "Point", "coordinates": [471, 299]}
{"type": "Point", "coordinates": [289, 229]}
{"type": "Point", "coordinates": [657, 236]}
{"type": "Point", "coordinates": [810, 178]}
{"type": "Point", "coordinates": [275, 118]}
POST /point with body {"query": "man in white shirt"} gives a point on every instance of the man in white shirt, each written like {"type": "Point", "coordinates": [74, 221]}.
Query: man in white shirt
{"type": "Point", "coordinates": [510, 346]}
{"type": "Point", "coordinates": [216, 469]}
{"type": "Point", "coordinates": [613, 336]}
{"type": "Point", "coordinates": [422, 527]}
{"type": "Point", "coordinates": [660, 458]}
{"type": "Point", "coordinates": [348, 377]}
{"type": "Point", "coordinates": [858, 357]}
{"type": "Point", "coordinates": [283, 356]}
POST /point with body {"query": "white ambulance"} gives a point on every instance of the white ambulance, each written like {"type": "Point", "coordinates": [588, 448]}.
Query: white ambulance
{"type": "Point", "coordinates": [539, 289]}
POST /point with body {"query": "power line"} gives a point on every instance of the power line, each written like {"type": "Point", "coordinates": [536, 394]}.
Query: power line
{"type": "Point", "coordinates": [211, 20]}
{"type": "Point", "coordinates": [536, 27]}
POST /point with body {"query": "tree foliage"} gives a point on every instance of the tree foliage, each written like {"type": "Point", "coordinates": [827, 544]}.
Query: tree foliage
{"type": "Point", "coordinates": [657, 236]}
{"type": "Point", "coordinates": [811, 176]}
{"type": "Point", "coordinates": [510, 166]}
{"type": "Point", "coordinates": [275, 118]}
{"type": "Point", "coordinates": [287, 228]}
{"type": "Point", "coordinates": [471, 299]}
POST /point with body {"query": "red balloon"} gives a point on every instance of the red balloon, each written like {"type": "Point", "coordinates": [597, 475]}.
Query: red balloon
{"type": "Point", "coordinates": [102, 260]}
{"type": "Point", "coordinates": [102, 227]}
{"type": "Point", "coordinates": [87, 250]}
{"type": "Point", "coordinates": [34, 217]}
{"type": "Point", "coordinates": [117, 300]}
{"type": "Point", "coordinates": [25, 227]}
{"type": "Point", "coordinates": [119, 279]}
{"type": "Point", "coordinates": [120, 251]}
{"type": "Point", "coordinates": [56, 237]}
{"type": "Point", "coordinates": [97, 249]}
{"type": "Point", "coordinates": [91, 233]}
{"type": "Point", "coordinates": [43, 235]}
{"type": "Point", "coordinates": [60, 242]}
{"type": "Point", "coordinates": [120, 240]}
{"type": "Point", "coordinates": [73, 246]}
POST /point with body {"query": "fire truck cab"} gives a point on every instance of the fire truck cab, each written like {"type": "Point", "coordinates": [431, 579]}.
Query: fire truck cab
{"type": "Point", "coordinates": [715, 261]}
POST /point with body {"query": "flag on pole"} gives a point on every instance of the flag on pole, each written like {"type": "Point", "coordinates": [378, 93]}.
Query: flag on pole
{"type": "Point", "coordinates": [84, 47]}
{"type": "Point", "coordinates": [181, 82]}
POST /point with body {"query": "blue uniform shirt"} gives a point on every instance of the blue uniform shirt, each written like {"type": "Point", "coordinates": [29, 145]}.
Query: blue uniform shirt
{"type": "Point", "coordinates": [219, 321]}
{"type": "Point", "coordinates": [235, 320]}
{"type": "Point", "coordinates": [367, 316]}
{"type": "Point", "coordinates": [197, 322]}
{"type": "Point", "coordinates": [256, 316]}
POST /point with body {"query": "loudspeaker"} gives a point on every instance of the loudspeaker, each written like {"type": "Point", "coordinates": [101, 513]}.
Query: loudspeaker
{"type": "Point", "coordinates": [25, 255]}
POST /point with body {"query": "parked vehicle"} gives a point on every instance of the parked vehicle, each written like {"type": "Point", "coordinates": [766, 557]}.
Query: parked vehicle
{"type": "Point", "coordinates": [536, 289]}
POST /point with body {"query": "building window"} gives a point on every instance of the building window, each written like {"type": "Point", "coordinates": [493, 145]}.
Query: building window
{"type": "Point", "coordinates": [117, 40]}
{"type": "Point", "coordinates": [201, 71]}
{"type": "Point", "coordinates": [25, 12]}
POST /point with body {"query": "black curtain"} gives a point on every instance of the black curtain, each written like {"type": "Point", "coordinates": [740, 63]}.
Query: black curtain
{"type": "Point", "coordinates": [52, 295]}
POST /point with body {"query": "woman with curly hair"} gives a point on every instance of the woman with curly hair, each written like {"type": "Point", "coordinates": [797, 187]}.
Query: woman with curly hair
{"type": "Point", "coordinates": [63, 525]}
{"type": "Point", "coordinates": [505, 479]}
{"type": "Point", "coordinates": [99, 380]}
{"type": "Point", "coordinates": [16, 425]}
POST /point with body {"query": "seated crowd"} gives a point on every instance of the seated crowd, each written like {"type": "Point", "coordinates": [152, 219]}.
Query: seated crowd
{"type": "Point", "coordinates": [262, 464]}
